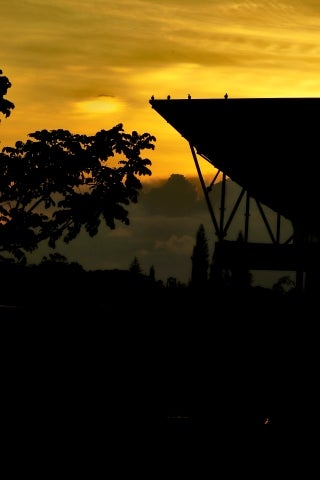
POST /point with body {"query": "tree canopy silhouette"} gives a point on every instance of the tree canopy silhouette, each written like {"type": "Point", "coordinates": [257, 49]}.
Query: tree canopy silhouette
{"type": "Point", "coordinates": [57, 183]}
{"type": "Point", "coordinates": [5, 105]}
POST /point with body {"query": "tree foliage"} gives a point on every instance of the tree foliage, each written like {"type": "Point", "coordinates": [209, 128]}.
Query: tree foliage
{"type": "Point", "coordinates": [135, 267]}
{"type": "Point", "coordinates": [200, 259]}
{"type": "Point", "coordinates": [5, 105]}
{"type": "Point", "coordinates": [57, 183]}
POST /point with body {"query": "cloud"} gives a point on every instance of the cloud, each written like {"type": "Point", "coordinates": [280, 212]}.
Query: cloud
{"type": "Point", "coordinates": [61, 55]}
{"type": "Point", "coordinates": [177, 245]}
{"type": "Point", "coordinates": [165, 240]}
{"type": "Point", "coordinates": [176, 197]}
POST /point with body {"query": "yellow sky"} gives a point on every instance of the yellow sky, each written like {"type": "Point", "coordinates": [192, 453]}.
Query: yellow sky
{"type": "Point", "coordinates": [87, 65]}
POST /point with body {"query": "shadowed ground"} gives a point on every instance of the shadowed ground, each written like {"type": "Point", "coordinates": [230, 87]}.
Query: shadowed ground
{"type": "Point", "coordinates": [170, 380]}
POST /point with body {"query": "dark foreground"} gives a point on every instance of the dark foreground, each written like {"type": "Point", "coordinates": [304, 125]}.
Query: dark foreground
{"type": "Point", "coordinates": [168, 387]}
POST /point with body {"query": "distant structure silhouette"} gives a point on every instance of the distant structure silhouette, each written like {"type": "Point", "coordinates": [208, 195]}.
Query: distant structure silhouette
{"type": "Point", "coordinates": [263, 145]}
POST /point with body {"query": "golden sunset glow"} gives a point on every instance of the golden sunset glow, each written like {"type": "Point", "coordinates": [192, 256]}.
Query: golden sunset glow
{"type": "Point", "coordinates": [86, 66]}
{"type": "Point", "coordinates": [160, 235]}
{"type": "Point", "coordinates": [98, 106]}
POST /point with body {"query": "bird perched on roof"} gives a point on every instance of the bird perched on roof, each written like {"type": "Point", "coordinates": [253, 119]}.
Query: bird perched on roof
{"type": "Point", "coordinates": [226, 96]}
{"type": "Point", "coordinates": [152, 97]}
{"type": "Point", "coordinates": [189, 96]}
{"type": "Point", "coordinates": [168, 97]}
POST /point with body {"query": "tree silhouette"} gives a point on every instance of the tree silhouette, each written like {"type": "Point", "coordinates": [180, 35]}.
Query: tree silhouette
{"type": "Point", "coordinates": [5, 105]}
{"type": "Point", "coordinates": [135, 267]}
{"type": "Point", "coordinates": [283, 285]}
{"type": "Point", "coordinates": [57, 183]}
{"type": "Point", "coordinates": [54, 258]}
{"type": "Point", "coordinates": [152, 274]}
{"type": "Point", "coordinates": [200, 259]}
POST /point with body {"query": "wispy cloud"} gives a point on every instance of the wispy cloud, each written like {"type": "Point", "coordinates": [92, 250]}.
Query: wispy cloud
{"type": "Point", "coordinates": [62, 55]}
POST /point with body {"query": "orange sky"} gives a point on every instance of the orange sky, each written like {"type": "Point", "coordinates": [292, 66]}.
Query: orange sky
{"type": "Point", "coordinates": [88, 65]}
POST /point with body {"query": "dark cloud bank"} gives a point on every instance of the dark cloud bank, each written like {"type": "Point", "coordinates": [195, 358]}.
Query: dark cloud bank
{"type": "Point", "coordinates": [162, 231]}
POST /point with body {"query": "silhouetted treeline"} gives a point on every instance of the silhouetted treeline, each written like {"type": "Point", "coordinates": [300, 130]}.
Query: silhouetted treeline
{"type": "Point", "coordinates": [110, 354]}
{"type": "Point", "coordinates": [53, 283]}
{"type": "Point", "coordinates": [56, 283]}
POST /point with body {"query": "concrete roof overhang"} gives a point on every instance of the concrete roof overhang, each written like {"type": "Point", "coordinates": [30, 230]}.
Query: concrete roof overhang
{"type": "Point", "coordinates": [269, 146]}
